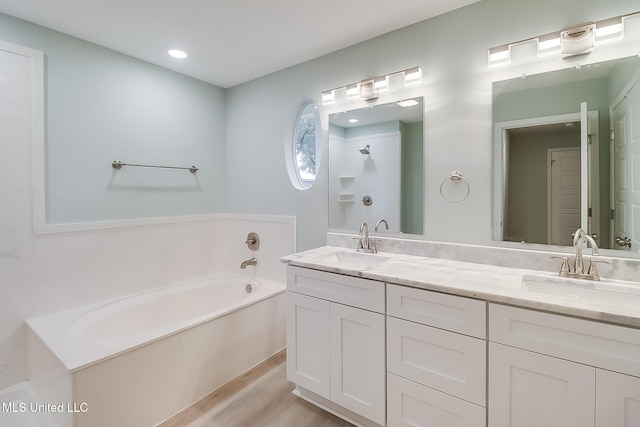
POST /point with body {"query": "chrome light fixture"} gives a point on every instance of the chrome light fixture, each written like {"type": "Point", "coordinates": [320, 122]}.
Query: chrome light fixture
{"type": "Point", "coordinates": [569, 42]}
{"type": "Point", "coordinates": [369, 89]}
{"type": "Point", "coordinates": [577, 41]}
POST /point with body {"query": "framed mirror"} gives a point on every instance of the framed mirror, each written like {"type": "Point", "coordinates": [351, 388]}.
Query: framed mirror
{"type": "Point", "coordinates": [376, 167]}
{"type": "Point", "coordinates": [563, 158]}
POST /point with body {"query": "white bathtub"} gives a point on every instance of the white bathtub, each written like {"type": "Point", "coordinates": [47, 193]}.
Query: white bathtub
{"type": "Point", "coordinates": [136, 361]}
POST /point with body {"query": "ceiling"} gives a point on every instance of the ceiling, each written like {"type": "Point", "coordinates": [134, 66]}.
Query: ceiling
{"type": "Point", "coordinates": [229, 42]}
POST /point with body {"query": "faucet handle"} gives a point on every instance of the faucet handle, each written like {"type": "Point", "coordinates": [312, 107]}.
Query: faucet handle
{"type": "Point", "coordinates": [564, 269]}
{"type": "Point", "coordinates": [253, 241]}
{"type": "Point", "coordinates": [593, 270]}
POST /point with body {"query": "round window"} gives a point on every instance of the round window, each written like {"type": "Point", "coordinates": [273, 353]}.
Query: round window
{"type": "Point", "coordinates": [307, 145]}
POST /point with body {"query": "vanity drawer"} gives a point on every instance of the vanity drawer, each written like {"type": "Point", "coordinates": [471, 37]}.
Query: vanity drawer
{"type": "Point", "coordinates": [443, 360]}
{"type": "Point", "coordinates": [353, 291]}
{"type": "Point", "coordinates": [612, 347]}
{"type": "Point", "coordinates": [458, 314]}
{"type": "Point", "coordinates": [411, 404]}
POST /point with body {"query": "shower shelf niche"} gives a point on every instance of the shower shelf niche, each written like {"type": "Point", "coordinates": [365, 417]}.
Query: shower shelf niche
{"type": "Point", "coordinates": [346, 197]}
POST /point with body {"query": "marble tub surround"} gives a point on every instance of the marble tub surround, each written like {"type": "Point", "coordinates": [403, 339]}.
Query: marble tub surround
{"type": "Point", "coordinates": [489, 282]}
{"type": "Point", "coordinates": [625, 269]}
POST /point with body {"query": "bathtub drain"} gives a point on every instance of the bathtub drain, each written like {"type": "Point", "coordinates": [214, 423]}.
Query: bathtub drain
{"type": "Point", "coordinates": [249, 288]}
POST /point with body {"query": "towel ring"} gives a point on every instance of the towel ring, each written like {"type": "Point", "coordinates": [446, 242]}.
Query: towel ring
{"type": "Point", "coordinates": [455, 177]}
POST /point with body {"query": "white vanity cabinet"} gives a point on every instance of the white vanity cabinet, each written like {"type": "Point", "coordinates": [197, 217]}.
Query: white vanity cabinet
{"type": "Point", "coordinates": [554, 370]}
{"type": "Point", "coordinates": [436, 359]}
{"type": "Point", "coordinates": [336, 343]}
{"type": "Point", "coordinates": [617, 399]}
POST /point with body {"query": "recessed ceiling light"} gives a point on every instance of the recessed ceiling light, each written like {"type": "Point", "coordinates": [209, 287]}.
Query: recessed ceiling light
{"type": "Point", "coordinates": [177, 53]}
{"type": "Point", "coordinates": [353, 120]}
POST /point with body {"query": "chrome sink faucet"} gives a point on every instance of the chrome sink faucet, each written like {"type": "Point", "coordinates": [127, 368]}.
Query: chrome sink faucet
{"type": "Point", "coordinates": [382, 221]}
{"type": "Point", "coordinates": [579, 239]}
{"type": "Point", "coordinates": [578, 271]}
{"type": "Point", "coordinates": [366, 243]}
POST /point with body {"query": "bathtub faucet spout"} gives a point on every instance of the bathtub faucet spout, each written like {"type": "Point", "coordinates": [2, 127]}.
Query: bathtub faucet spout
{"type": "Point", "coordinates": [251, 261]}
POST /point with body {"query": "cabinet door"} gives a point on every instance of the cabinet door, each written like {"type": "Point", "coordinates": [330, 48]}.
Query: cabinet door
{"type": "Point", "coordinates": [528, 389]}
{"type": "Point", "coordinates": [358, 361]}
{"type": "Point", "coordinates": [617, 400]}
{"type": "Point", "coordinates": [308, 343]}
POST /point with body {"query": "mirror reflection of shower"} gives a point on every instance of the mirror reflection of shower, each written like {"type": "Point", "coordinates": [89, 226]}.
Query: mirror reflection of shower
{"type": "Point", "coordinates": [392, 137]}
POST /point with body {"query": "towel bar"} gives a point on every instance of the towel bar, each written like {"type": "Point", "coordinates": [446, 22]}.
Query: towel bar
{"type": "Point", "coordinates": [117, 164]}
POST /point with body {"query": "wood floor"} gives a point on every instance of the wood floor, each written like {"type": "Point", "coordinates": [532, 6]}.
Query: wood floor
{"type": "Point", "coordinates": [259, 398]}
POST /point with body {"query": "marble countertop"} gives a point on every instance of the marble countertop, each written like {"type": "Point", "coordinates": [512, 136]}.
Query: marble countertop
{"type": "Point", "coordinates": [486, 282]}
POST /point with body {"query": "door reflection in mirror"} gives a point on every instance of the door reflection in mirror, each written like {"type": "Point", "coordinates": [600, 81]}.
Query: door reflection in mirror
{"type": "Point", "coordinates": [536, 155]}
{"type": "Point", "coordinates": [529, 116]}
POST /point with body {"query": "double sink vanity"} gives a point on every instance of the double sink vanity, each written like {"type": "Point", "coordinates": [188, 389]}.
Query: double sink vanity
{"type": "Point", "coordinates": [458, 335]}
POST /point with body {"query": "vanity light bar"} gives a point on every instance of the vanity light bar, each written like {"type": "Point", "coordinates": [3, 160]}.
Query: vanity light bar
{"type": "Point", "coordinates": [500, 55]}
{"type": "Point", "coordinates": [353, 90]}
{"type": "Point", "coordinates": [369, 88]}
{"type": "Point", "coordinates": [380, 84]}
{"type": "Point", "coordinates": [607, 30]}
{"type": "Point", "coordinates": [328, 97]}
{"type": "Point", "coordinates": [412, 76]}
{"type": "Point", "coordinates": [549, 44]}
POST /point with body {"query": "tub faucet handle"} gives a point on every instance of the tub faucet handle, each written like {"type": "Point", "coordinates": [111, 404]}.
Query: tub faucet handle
{"type": "Point", "coordinates": [253, 241]}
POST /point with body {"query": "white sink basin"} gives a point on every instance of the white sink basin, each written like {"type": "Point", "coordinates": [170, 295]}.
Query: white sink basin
{"type": "Point", "coordinates": [605, 291]}
{"type": "Point", "coordinates": [357, 259]}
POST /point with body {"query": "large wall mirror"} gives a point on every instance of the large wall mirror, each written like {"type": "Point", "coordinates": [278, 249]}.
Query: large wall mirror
{"type": "Point", "coordinates": [565, 155]}
{"type": "Point", "coordinates": [376, 167]}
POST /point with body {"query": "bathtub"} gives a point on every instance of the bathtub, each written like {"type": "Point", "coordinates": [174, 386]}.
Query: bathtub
{"type": "Point", "coordinates": [136, 361]}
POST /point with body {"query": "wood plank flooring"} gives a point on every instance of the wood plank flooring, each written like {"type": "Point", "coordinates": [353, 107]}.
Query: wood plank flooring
{"type": "Point", "coordinates": [259, 398]}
